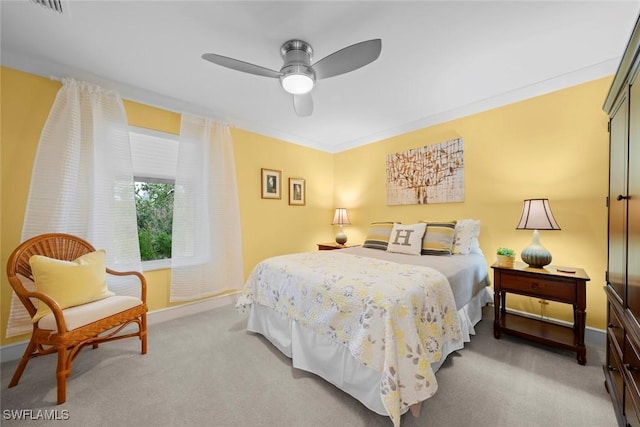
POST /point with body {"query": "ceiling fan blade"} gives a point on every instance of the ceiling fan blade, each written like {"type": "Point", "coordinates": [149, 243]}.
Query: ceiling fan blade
{"type": "Point", "coordinates": [348, 59]}
{"type": "Point", "coordinates": [303, 104]}
{"type": "Point", "coordinates": [238, 65]}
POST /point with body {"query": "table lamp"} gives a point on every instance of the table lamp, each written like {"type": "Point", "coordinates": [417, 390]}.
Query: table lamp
{"type": "Point", "coordinates": [340, 218]}
{"type": "Point", "coordinates": [536, 215]}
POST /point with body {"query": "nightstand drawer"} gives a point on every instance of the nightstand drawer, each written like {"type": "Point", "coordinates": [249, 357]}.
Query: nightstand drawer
{"type": "Point", "coordinates": [538, 287]}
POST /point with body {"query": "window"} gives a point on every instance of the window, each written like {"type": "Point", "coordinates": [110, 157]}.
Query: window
{"type": "Point", "coordinates": [154, 156]}
{"type": "Point", "coordinates": [154, 209]}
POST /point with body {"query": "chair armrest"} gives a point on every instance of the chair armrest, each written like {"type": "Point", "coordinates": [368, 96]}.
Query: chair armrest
{"type": "Point", "coordinates": [140, 276]}
{"type": "Point", "coordinates": [53, 306]}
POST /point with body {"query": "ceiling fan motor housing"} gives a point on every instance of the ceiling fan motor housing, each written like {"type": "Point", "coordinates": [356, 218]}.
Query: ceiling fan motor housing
{"type": "Point", "coordinates": [297, 75]}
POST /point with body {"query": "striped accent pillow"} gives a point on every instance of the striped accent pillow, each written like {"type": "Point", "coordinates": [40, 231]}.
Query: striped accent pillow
{"type": "Point", "coordinates": [378, 235]}
{"type": "Point", "coordinates": [438, 239]}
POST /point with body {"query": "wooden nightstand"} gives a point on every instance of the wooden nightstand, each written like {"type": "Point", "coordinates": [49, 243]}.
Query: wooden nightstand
{"type": "Point", "coordinates": [331, 246]}
{"type": "Point", "coordinates": [562, 284]}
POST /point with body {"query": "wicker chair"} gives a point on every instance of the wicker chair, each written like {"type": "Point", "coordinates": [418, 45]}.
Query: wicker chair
{"type": "Point", "coordinates": [65, 335]}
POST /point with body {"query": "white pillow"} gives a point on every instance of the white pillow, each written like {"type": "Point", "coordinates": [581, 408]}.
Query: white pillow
{"type": "Point", "coordinates": [475, 247]}
{"type": "Point", "coordinates": [406, 239]}
{"type": "Point", "coordinates": [467, 230]}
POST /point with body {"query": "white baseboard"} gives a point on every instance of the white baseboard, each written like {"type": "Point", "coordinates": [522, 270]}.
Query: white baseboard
{"type": "Point", "coordinates": [14, 351]}
{"type": "Point", "coordinates": [170, 313]}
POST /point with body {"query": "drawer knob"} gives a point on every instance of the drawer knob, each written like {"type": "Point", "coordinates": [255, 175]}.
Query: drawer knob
{"type": "Point", "coordinates": [630, 367]}
{"type": "Point", "coordinates": [611, 368]}
{"type": "Point", "coordinates": [611, 325]}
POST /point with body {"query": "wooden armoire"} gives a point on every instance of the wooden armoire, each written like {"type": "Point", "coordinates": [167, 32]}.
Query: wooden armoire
{"type": "Point", "coordinates": [622, 367]}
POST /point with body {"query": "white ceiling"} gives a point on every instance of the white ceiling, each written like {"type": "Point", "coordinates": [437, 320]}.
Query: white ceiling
{"type": "Point", "coordinates": [439, 60]}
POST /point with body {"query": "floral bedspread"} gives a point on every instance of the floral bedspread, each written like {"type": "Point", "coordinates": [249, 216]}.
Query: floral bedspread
{"type": "Point", "coordinates": [393, 317]}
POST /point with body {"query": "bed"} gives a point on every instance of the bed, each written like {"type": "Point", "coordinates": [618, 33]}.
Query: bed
{"type": "Point", "coordinates": [376, 324]}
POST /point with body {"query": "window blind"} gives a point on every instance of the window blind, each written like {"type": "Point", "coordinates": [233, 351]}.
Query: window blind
{"type": "Point", "coordinates": [154, 155]}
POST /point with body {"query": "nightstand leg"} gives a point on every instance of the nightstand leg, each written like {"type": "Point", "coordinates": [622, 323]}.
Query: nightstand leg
{"type": "Point", "coordinates": [580, 321]}
{"type": "Point", "coordinates": [496, 314]}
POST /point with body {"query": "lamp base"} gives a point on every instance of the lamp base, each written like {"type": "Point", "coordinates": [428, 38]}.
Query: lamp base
{"type": "Point", "coordinates": [341, 238]}
{"type": "Point", "coordinates": [535, 254]}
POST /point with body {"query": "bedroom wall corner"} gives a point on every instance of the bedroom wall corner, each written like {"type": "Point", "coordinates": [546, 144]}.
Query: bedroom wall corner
{"type": "Point", "coordinates": [553, 146]}
{"type": "Point", "coordinates": [269, 227]}
{"type": "Point", "coordinates": [272, 227]}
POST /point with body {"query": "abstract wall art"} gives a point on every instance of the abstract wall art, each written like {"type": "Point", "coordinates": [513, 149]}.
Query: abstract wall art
{"type": "Point", "coordinates": [429, 174]}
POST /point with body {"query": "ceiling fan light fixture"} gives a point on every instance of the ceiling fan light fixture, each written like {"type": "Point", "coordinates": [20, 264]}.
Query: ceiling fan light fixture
{"type": "Point", "coordinates": [297, 75]}
{"type": "Point", "coordinates": [297, 84]}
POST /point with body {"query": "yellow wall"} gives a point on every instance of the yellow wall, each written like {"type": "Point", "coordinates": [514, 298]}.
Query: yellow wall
{"type": "Point", "coordinates": [553, 146]}
{"type": "Point", "coordinates": [272, 227]}
{"type": "Point", "coordinates": [25, 102]}
{"type": "Point", "coordinates": [269, 227]}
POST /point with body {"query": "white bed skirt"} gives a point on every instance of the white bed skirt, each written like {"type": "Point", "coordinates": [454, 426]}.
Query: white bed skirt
{"type": "Point", "coordinates": [333, 362]}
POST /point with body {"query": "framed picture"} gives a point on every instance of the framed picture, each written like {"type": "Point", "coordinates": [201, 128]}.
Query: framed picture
{"type": "Point", "coordinates": [296, 191]}
{"type": "Point", "coordinates": [271, 184]}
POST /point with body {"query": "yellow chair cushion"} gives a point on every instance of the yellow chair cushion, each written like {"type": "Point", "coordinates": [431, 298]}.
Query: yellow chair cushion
{"type": "Point", "coordinates": [70, 283]}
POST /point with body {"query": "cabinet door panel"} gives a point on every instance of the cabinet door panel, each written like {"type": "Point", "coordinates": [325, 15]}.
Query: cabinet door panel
{"type": "Point", "coordinates": [616, 265]}
{"type": "Point", "coordinates": [633, 204]}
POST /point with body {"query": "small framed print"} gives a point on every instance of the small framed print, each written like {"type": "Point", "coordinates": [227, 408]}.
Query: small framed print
{"type": "Point", "coordinates": [296, 191]}
{"type": "Point", "coordinates": [271, 184]}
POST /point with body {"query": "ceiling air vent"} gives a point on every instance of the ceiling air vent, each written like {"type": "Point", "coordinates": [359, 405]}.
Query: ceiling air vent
{"type": "Point", "coordinates": [54, 5]}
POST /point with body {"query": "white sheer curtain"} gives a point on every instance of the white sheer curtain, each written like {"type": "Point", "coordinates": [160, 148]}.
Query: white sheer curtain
{"type": "Point", "coordinates": [82, 183]}
{"type": "Point", "coordinates": [206, 255]}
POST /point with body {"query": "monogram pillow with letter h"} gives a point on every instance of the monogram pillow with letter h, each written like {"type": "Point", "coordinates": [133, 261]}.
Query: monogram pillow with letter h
{"type": "Point", "coordinates": [406, 239]}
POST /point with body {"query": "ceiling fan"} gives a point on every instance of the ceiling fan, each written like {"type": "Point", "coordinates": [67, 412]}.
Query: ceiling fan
{"type": "Point", "coordinates": [297, 75]}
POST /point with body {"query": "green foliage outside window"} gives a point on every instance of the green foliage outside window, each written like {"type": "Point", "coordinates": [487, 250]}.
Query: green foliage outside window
{"type": "Point", "coordinates": [154, 206]}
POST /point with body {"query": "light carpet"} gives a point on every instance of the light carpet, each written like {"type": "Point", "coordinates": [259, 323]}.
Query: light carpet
{"type": "Point", "coordinates": [206, 370]}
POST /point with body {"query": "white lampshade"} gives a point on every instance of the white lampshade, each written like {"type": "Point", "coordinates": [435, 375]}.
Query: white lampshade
{"type": "Point", "coordinates": [297, 84]}
{"type": "Point", "coordinates": [341, 218]}
{"type": "Point", "coordinates": [536, 215]}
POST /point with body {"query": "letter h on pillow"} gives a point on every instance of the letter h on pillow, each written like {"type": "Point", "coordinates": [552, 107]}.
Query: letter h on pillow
{"type": "Point", "coordinates": [406, 239]}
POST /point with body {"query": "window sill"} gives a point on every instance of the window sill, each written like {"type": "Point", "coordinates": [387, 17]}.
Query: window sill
{"type": "Point", "coordinates": [158, 264]}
